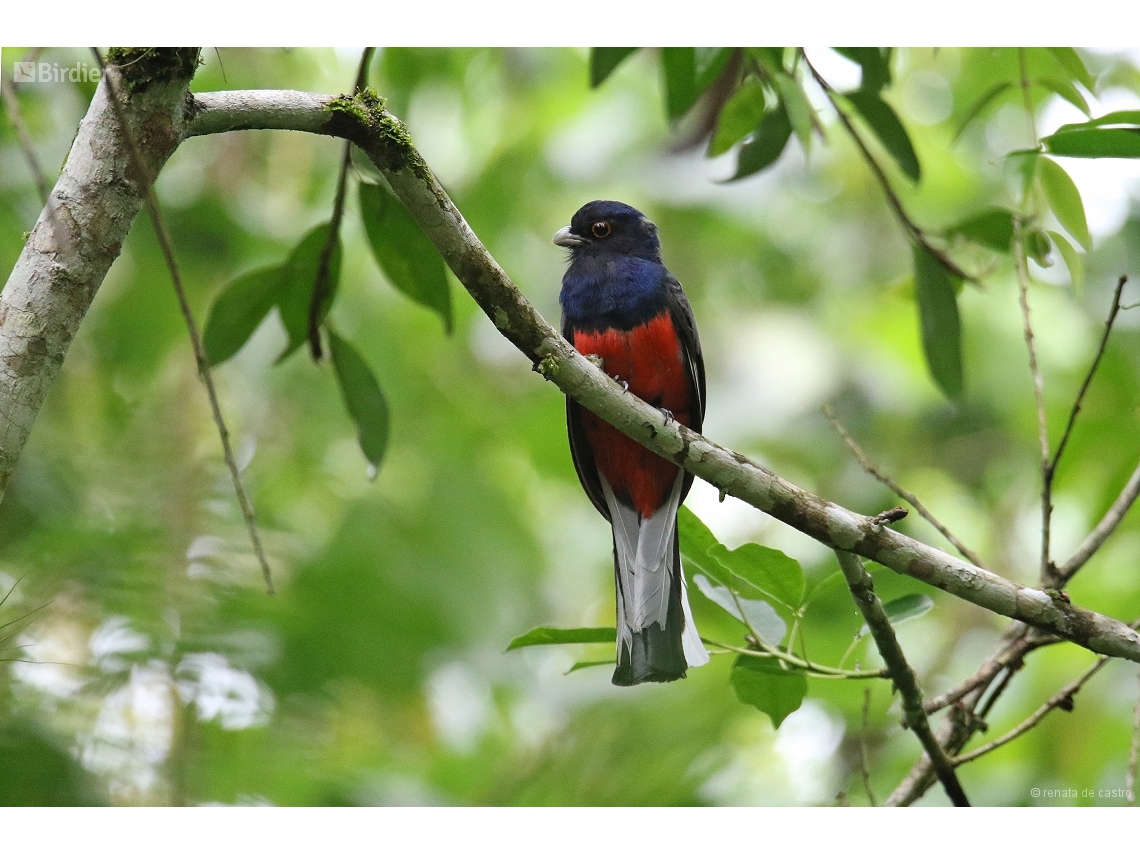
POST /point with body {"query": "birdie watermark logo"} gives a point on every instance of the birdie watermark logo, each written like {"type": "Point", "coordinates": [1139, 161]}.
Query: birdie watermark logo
{"type": "Point", "coordinates": [53, 72]}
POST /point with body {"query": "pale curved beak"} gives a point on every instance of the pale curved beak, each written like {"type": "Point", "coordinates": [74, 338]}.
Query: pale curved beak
{"type": "Point", "coordinates": [563, 237]}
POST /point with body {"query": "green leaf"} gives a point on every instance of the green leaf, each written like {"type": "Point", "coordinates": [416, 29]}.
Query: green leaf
{"type": "Point", "coordinates": [763, 684]}
{"type": "Point", "coordinates": [680, 66]}
{"type": "Point", "coordinates": [603, 61]}
{"type": "Point", "coordinates": [1037, 247]}
{"type": "Point", "coordinates": [772, 58]}
{"type": "Point", "coordinates": [1065, 200]}
{"type": "Point", "coordinates": [885, 123]}
{"type": "Point", "coordinates": [876, 65]}
{"type": "Point", "coordinates": [708, 64]}
{"type": "Point", "coordinates": [980, 105]}
{"type": "Point", "coordinates": [552, 635]}
{"type": "Point", "coordinates": [1072, 261]}
{"type": "Point", "coordinates": [578, 666]}
{"type": "Point", "coordinates": [696, 539]}
{"type": "Point", "coordinates": [366, 170]}
{"type": "Point", "coordinates": [239, 310]}
{"type": "Point", "coordinates": [362, 398]}
{"type": "Point", "coordinates": [1020, 171]}
{"type": "Point", "coordinates": [1124, 118]}
{"type": "Point", "coordinates": [938, 313]}
{"type": "Point", "coordinates": [907, 607]}
{"type": "Point", "coordinates": [740, 115]}
{"type": "Point", "coordinates": [1072, 63]}
{"type": "Point", "coordinates": [757, 615]}
{"type": "Point", "coordinates": [1067, 91]}
{"type": "Point", "coordinates": [799, 109]}
{"type": "Point", "coordinates": [992, 227]}
{"type": "Point", "coordinates": [1094, 142]}
{"type": "Point", "coordinates": [409, 260]}
{"type": "Point", "coordinates": [768, 571]}
{"type": "Point", "coordinates": [765, 146]}
{"type": "Point", "coordinates": [301, 277]}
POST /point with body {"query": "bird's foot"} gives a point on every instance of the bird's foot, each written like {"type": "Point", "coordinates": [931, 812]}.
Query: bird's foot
{"type": "Point", "coordinates": [668, 415]}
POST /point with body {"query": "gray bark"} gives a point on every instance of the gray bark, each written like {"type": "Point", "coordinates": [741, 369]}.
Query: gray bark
{"type": "Point", "coordinates": [68, 253]}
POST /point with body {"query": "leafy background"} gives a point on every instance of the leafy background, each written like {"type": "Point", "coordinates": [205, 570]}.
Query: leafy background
{"type": "Point", "coordinates": [149, 665]}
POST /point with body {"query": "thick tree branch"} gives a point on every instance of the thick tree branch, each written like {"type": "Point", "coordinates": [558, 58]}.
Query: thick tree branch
{"type": "Point", "coordinates": [78, 236]}
{"type": "Point", "coordinates": [863, 592]}
{"type": "Point", "coordinates": [384, 138]}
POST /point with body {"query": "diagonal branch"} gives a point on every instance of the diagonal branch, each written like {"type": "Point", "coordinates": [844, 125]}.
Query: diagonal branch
{"type": "Point", "coordinates": [1079, 400]}
{"type": "Point", "coordinates": [870, 468]}
{"type": "Point", "coordinates": [1063, 699]}
{"type": "Point", "coordinates": [863, 592]}
{"type": "Point", "coordinates": [1103, 530]}
{"type": "Point", "coordinates": [912, 228]}
{"type": "Point", "coordinates": [386, 141]}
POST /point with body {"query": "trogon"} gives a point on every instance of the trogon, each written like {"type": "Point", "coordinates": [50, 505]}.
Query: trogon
{"type": "Point", "coordinates": [621, 304]}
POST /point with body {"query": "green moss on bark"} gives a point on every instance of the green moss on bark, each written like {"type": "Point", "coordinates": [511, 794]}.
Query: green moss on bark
{"type": "Point", "coordinates": [377, 131]}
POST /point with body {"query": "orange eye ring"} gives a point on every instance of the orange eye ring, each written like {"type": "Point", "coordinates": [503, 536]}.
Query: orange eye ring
{"type": "Point", "coordinates": [601, 230]}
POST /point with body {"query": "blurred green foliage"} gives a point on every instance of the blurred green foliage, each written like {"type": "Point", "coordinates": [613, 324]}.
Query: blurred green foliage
{"type": "Point", "coordinates": [161, 673]}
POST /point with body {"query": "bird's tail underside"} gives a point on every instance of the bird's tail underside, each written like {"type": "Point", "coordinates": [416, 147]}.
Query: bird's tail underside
{"type": "Point", "coordinates": [656, 639]}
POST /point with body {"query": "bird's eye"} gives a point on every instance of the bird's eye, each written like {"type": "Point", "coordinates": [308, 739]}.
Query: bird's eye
{"type": "Point", "coordinates": [601, 230]}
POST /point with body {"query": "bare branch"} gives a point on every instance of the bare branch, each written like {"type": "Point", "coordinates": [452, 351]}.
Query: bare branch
{"type": "Point", "coordinates": [991, 668]}
{"type": "Point", "coordinates": [12, 104]}
{"type": "Point", "coordinates": [892, 485]}
{"type": "Point", "coordinates": [146, 180]}
{"type": "Point", "coordinates": [1112, 313]}
{"type": "Point", "coordinates": [1063, 698]}
{"type": "Point", "coordinates": [863, 592]}
{"type": "Point", "coordinates": [916, 233]}
{"type": "Point", "coordinates": [1103, 530]}
{"type": "Point", "coordinates": [864, 763]}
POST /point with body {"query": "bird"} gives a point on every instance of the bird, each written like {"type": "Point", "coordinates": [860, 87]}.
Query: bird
{"type": "Point", "coordinates": [620, 304]}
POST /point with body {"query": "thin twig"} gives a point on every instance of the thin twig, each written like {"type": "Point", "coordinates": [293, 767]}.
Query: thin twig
{"type": "Point", "coordinates": [1104, 528]}
{"type": "Point", "coordinates": [1112, 313]}
{"type": "Point", "coordinates": [12, 103]}
{"type": "Point", "coordinates": [322, 287]}
{"type": "Point", "coordinates": [39, 177]}
{"type": "Point", "coordinates": [916, 233]}
{"type": "Point", "coordinates": [160, 230]}
{"type": "Point", "coordinates": [1133, 755]}
{"type": "Point", "coordinates": [762, 650]}
{"type": "Point", "coordinates": [863, 592]}
{"type": "Point", "coordinates": [872, 470]}
{"type": "Point", "coordinates": [1063, 698]}
{"type": "Point", "coordinates": [1022, 267]}
{"type": "Point", "coordinates": [864, 763]}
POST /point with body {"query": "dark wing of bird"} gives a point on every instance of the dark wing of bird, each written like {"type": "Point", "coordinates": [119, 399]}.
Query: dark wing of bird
{"type": "Point", "coordinates": [580, 450]}
{"type": "Point", "coordinates": [686, 326]}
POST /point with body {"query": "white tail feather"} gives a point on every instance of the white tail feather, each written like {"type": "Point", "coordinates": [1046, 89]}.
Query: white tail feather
{"type": "Point", "coordinates": [695, 653]}
{"type": "Point", "coordinates": [644, 550]}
